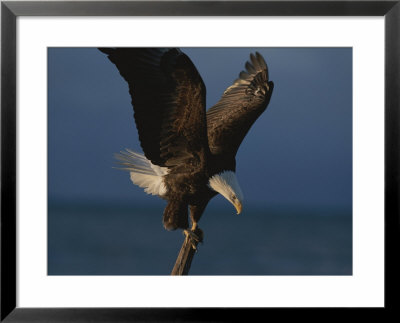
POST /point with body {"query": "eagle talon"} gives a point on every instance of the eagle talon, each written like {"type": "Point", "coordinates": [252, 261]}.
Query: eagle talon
{"type": "Point", "coordinates": [193, 238]}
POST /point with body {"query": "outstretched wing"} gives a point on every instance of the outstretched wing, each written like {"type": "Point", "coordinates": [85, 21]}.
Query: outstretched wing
{"type": "Point", "coordinates": [239, 107]}
{"type": "Point", "coordinates": [168, 97]}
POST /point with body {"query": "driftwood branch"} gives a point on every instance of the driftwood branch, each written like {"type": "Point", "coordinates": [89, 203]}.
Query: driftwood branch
{"type": "Point", "coordinates": [186, 254]}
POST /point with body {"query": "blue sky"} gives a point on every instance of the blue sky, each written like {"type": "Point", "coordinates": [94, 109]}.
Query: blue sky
{"type": "Point", "coordinates": [297, 154]}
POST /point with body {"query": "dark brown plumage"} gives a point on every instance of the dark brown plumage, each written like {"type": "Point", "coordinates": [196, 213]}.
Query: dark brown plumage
{"type": "Point", "coordinates": [242, 103]}
{"type": "Point", "coordinates": [195, 150]}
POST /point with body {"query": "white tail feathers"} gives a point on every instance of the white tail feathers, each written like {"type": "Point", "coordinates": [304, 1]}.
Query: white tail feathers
{"type": "Point", "coordinates": [143, 172]}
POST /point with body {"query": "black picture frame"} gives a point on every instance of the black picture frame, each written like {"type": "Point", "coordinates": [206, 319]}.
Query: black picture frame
{"type": "Point", "coordinates": [10, 10]}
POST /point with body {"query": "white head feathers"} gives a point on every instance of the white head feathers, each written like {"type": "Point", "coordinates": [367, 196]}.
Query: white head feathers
{"type": "Point", "coordinates": [227, 185]}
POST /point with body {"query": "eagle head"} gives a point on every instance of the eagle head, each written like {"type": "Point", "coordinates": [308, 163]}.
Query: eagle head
{"type": "Point", "coordinates": [226, 184]}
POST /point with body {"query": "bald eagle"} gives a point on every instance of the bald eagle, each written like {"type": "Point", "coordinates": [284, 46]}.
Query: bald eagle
{"type": "Point", "coordinates": [189, 154]}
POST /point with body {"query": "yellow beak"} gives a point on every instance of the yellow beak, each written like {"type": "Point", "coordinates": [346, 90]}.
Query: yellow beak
{"type": "Point", "coordinates": [238, 206]}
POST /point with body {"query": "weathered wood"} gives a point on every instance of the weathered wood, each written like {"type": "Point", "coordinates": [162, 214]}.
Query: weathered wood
{"type": "Point", "coordinates": [186, 254]}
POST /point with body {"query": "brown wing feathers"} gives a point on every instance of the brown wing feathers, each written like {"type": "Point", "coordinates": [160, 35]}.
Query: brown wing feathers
{"type": "Point", "coordinates": [168, 96]}
{"type": "Point", "coordinates": [239, 107]}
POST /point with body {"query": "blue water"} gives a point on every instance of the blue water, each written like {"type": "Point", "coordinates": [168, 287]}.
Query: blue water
{"type": "Point", "coordinates": [93, 239]}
